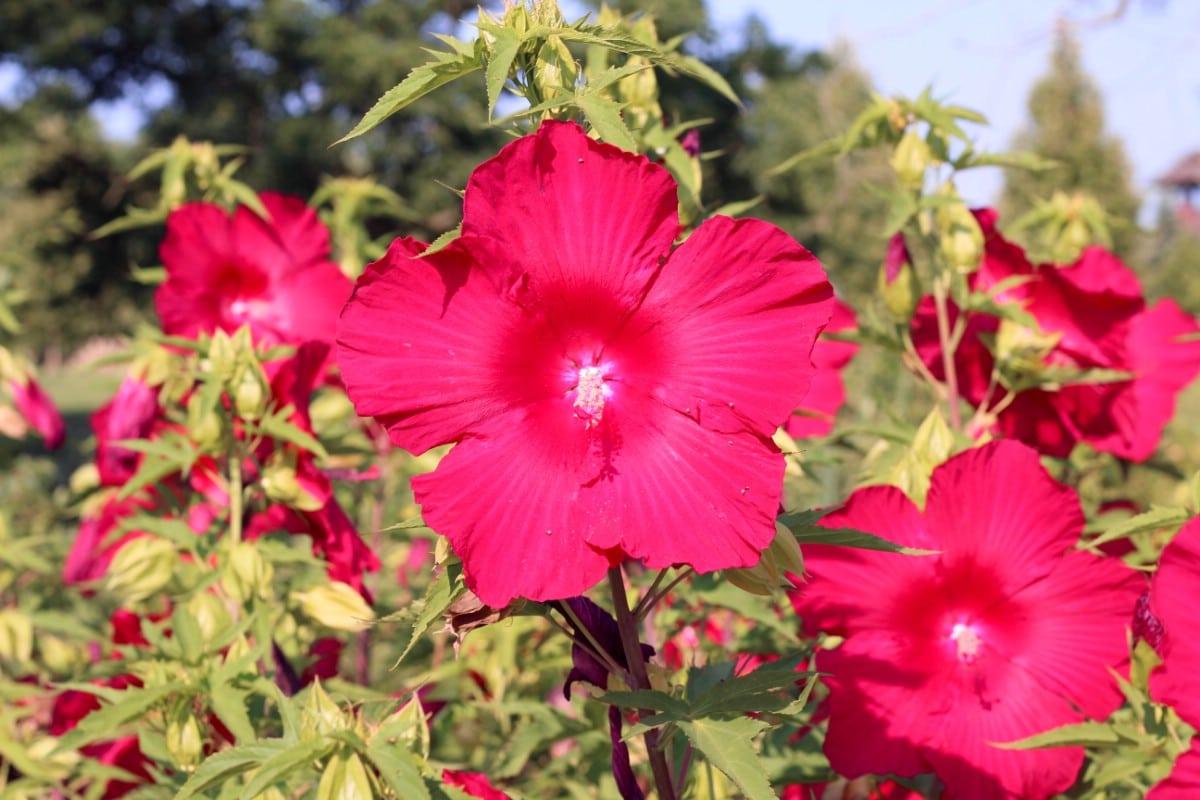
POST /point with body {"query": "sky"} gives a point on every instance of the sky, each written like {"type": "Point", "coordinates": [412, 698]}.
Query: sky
{"type": "Point", "coordinates": [987, 54]}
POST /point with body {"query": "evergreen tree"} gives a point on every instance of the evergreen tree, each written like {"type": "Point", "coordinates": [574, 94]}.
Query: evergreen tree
{"type": "Point", "coordinates": [1067, 125]}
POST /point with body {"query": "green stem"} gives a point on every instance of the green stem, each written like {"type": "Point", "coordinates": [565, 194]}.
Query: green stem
{"type": "Point", "coordinates": [949, 345]}
{"type": "Point", "coordinates": [627, 625]}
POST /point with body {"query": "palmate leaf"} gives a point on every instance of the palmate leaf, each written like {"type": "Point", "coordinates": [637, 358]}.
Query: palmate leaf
{"type": "Point", "coordinates": [505, 44]}
{"type": "Point", "coordinates": [444, 68]}
{"type": "Point", "coordinates": [761, 690]}
{"type": "Point", "coordinates": [443, 590]}
{"type": "Point", "coordinates": [728, 745]}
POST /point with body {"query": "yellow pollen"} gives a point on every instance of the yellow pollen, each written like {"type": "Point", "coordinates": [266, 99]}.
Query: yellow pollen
{"type": "Point", "coordinates": [967, 643]}
{"type": "Point", "coordinates": [589, 396]}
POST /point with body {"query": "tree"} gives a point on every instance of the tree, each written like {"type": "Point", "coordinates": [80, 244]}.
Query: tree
{"type": "Point", "coordinates": [1067, 125]}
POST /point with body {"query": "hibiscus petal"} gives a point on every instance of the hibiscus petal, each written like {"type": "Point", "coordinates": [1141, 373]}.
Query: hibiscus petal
{"type": "Point", "coordinates": [744, 304]}
{"type": "Point", "coordinates": [1018, 521]}
{"type": "Point", "coordinates": [1173, 601]}
{"type": "Point", "coordinates": [670, 491]}
{"type": "Point", "coordinates": [292, 239]}
{"type": "Point", "coordinates": [1184, 781]}
{"type": "Point", "coordinates": [853, 589]}
{"type": "Point", "coordinates": [513, 528]}
{"type": "Point", "coordinates": [306, 304]}
{"type": "Point", "coordinates": [572, 213]}
{"type": "Point", "coordinates": [1072, 625]}
{"type": "Point", "coordinates": [960, 742]}
{"type": "Point", "coordinates": [418, 345]}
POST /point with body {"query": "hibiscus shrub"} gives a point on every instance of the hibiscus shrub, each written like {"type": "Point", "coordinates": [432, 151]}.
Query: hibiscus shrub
{"type": "Point", "coordinates": [566, 503]}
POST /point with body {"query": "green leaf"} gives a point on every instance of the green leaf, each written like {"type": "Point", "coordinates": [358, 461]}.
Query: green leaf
{"type": "Point", "coordinates": [764, 689]}
{"type": "Point", "coordinates": [1157, 518]}
{"type": "Point", "coordinates": [126, 706]}
{"type": "Point", "coordinates": [803, 525]}
{"type": "Point", "coordinates": [499, 64]}
{"type": "Point", "coordinates": [447, 587]}
{"type": "Point", "coordinates": [278, 427]}
{"type": "Point", "coordinates": [296, 757]}
{"type": "Point", "coordinates": [397, 768]}
{"type": "Point", "coordinates": [220, 767]}
{"type": "Point", "coordinates": [229, 704]}
{"type": "Point", "coordinates": [442, 241]}
{"type": "Point", "coordinates": [1085, 734]}
{"type": "Point", "coordinates": [674, 708]}
{"type": "Point", "coordinates": [604, 115]}
{"type": "Point", "coordinates": [444, 68]}
{"type": "Point", "coordinates": [727, 744]}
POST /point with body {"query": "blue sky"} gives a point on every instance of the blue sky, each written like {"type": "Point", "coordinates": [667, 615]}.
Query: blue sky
{"type": "Point", "coordinates": [987, 54]}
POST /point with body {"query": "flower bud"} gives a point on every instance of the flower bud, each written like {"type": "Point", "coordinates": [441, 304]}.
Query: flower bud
{"type": "Point", "coordinates": [337, 605]}
{"type": "Point", "coordinates": [910, 159]}
{"type": "Point", "coordinates": [205, 424]}
{"type": "Point", "coordinates": [210, 614]}
{"type": "Point", "coordinates": [141, 568]}
{"type": "Point", "coordinates": [960, 237]}
{"type": "Point", "coordinates": [321, 716]}
{"type": "Point", "coordinates": [247, 573]}
{"type": "Point", "coordinates": [344, 778]}
{"type": "Point", "coordinates": [250, 395]}
{"type": "Point", "coordinates": [222, 356]}
{"type": "Point", "coordinates": [16, 635]}
{"type": "Point", "coordinates": [281, 486]}
{"type": "Point", "coordinates": [58, 655]}
{"type": "Point", "coordinates": [897, 283]}
{"type": "Point", "coordinates": [1022, 350]}
{"type": "Point", "coordinates": [184, 742]}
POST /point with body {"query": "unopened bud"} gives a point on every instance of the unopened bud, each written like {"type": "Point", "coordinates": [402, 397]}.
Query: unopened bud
{"type": "Point", "coordinates": [205, 424]}
{"type": "Point", "coordinates": [248, 574]}
{"type": "Point", "coordinates": [897, 282]}
{"type": "Point", "coordinates": [59, 656]}
{"type": "Point", "coordinates": [281, 486]}
{"type": "Point", "coordinates": [910, 159]}
{"type": "Point", "coordinates": [344, 778]}
{"type": "Point", "coordinates": [1022, 350]}
{"type": "Point", "coordinates": [321, 716]}
{"type": "Point", "coordinates": [210, 614]}
{"type": "Point", "coordinates": [141, 568]}
{"type": "Point", "coordinates": [184, 742]}
{"type": "Point", "coordinates": [250, 395]}
{"type": "Point", "coordinates": [337, 605]}
{"type": "Point", "coordinates": [16, 635]}
{"type": "Point", "coordinates": [222, 356]}
{"type": "Point", "coordinates": [960, 238]}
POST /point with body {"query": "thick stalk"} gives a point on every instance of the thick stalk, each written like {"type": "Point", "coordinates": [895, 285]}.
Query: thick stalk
{"type": "Point", "coordinates": [630, 643]}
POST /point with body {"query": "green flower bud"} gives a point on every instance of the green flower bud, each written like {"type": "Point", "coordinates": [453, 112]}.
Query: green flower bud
{"type": "Point", "coordinates": [185, 744]}
{"type": "Point", "coordinates": [210, 614]}
{"type": "Point", "coordinates": [250, 395]}
{"type": "Point", "coordinates": [141, 568]}
{"type": "Point", "coordinates": [58, 655]}
{"type": "Point", "coordinates": [222, 356]}
{"type": "Point", "coordinates": [247, 573]}
{"type": "Point", "coordinates": [321, 716]}
{"type": "Point", "coordinates": [280, 484]}
{"type": "Point", "coordinates": [910, 159]}
{"type": "Point", "coordinates": [337, 605]}
{"type": "Point", "coordinates": [16, 635]}
{"type": "Point", "coordinates": [1022, 350]}
{"type": "Point", "coordinates": [344, 778]}
{"type": "Point", "coordinates": [960, 238]}
{"type": "Point", "coordinates": [205, 424]}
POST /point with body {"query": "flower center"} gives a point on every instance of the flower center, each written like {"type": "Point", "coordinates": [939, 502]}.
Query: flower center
{"type": "Point", "coordinates": [967, 642]}
{"type": "Point", "coordinates": [590, 393]}
{"type": "Point", "coordinates": [245, 309]}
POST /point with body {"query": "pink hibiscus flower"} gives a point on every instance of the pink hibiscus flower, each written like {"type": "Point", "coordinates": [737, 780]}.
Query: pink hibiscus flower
{"type": "Point", "coordinates": [1007, 632]}
{"type": "Point", "coordinates": [131, 414]}
{"type": "Point", "coordinates": [827, 393]}
{"type": "Point", "coordinates": [609, 394]}
{"type": "Point", "coordinates": [38, 410]}
{"type": "Point", "coordinates": [475, 784]}
{"type": "Point", "coordinates": [274, 275]}
{"type": "Point", "coordinates": [1096, 309]}
{"type": "Point", "coordinates": [1177, 681]}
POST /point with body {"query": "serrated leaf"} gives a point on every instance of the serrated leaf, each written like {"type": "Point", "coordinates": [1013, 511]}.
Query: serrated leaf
{"type": "Point", "coordinates": [671, 708]}
{"type": "Point", "coordinates": [443, 590]}
{"type": "Point", "coordinates": [727, 744]}
{"type": "Point", "coordinates": [1157, 518]}
{"type": "Point", "coordinates": [761, 690]}
{"type": "Point", "coordinates": [229, 704]}
{"type": "Point", "coordinates": [279, 766]}
{"type": "Point", "coordinates": [604, 116]}
{"type": "Point", "coordinates": [278, 427]}
{"type": "Point", "coordinates": [445, 67]}
{"type": "Point", "coordinates": [1080, 734]}
{"type": "Point", "coordinates": [696, 68]}
{"type": "Point", "coordinates": [442, 241]}
{"type": "Point", "coordinates": [397, 768]}
{"type": "Point", "coordinates": [220, 767]}
{"type": "Point", "coordinates": [803, 525]}
{"type": "Point", "coordinates": [126, 705]}
{"type": "Point", "coordinates": [506, 42]}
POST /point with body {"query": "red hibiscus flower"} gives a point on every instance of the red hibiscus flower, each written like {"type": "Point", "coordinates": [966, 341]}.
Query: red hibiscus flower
{"type": "Point", "coordinates": [1097, 318]}
{"type": "Point", "coordinates": [1008, 631]}
{"type": "Point", "coordinates": [827, 392]}
{"type": "Point", "coordinates": [609, 394]}
{"type": "Point", "coordinates": [476, 784]}
{"type": "Point", "coordinates": [1177, 681]}
{"type": "Point", "coordinates": [274, 275]}
{"type": "Point", "coordinates": [131, 414]}
{"type": "Point", "coordinates": [38, 410]}
{"type": "Point", "coordinates": [71, 706]}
